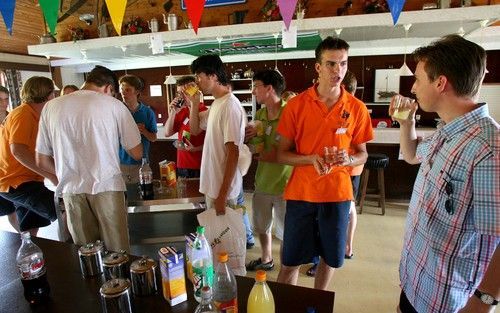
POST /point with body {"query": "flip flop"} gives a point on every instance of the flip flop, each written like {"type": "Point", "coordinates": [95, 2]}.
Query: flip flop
{"type": "Point", "coordinates": [349, 256]}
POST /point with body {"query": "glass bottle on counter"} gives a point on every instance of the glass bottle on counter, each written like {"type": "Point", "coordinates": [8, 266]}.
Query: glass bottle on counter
{"type": "Point", "coordinates": [207, 305]}
{"type": "Point", "coordinates": [31, 265]}
{"type": "Point", "coordinates": [225, 289]}
{"type": "Point", "coordinates": [261, 298]}
{"type": "Point", "coordinates": [146, 180]}
{"type": "Point", "coordinates": [203, 269]}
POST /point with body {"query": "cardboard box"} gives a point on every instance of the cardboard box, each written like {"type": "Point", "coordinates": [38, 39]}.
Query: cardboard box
{"type": "Point", "coordinates": [168, 175]}
{"type": "Point", "coordinates": [172, 275]}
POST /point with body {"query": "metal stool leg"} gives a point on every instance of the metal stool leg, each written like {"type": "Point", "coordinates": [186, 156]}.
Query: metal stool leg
{"type": "Point", "coordinates": [364, 184]}
{"type": "Point", "coordinates": [381, 188]}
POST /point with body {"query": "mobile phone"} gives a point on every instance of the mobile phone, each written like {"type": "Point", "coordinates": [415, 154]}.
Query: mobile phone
{"type": "Point", "coordinates": [179, 102]}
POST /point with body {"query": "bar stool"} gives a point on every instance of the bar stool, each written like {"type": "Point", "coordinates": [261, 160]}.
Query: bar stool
{"type": "Point", "coordinates": [376, 161]}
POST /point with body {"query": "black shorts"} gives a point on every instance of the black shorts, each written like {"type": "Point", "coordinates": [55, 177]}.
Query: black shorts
{"type": "Point", "coordinates": [313, 229]}
{"type": "Point", "coordinates": [27, 220]}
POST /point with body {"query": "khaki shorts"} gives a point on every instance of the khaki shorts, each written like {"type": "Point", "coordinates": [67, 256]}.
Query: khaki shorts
{"type": "Point", "coordinates": [101, 216]}
{"type": "Point", "coordinates": [262, 207]}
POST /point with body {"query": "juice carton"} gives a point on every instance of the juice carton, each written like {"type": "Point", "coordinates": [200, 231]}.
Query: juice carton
{"type": "Point", "coordinates": [189, 248]}
{"type": "Point", "coordinates": [167, 173]}
{"type": "Point", "coordinates": [172, 275]}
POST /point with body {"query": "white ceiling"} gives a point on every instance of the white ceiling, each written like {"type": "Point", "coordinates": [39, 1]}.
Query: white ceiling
{"type": "Point", "coordinates": [371, 34]}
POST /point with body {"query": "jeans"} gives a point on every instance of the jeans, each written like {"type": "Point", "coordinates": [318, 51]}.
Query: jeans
{"type": "Point", "coordinates": [246, 220]}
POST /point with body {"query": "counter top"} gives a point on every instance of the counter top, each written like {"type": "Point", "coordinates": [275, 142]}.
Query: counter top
{"type": "Point", "coordinates": [391, 135]}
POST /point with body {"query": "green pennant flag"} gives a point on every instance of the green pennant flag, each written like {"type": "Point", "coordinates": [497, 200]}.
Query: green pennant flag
{"type": "Point", "coordinates": [49, 9]}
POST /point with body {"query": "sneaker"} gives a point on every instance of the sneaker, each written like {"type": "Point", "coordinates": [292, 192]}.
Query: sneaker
{"type": "Point", "coordinates": [250, 245]}
{"type": "Point", "coordinates": [258, 265]}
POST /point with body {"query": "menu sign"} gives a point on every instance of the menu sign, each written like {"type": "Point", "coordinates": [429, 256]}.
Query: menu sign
{"type": "Point", "coordinates": [214, 3]}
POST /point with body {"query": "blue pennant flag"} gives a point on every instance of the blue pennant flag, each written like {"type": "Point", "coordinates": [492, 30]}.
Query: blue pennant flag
{"type": "Point", "coordinates": [395, 6]}
{"type": "Point", "coordinates": [7, 9]}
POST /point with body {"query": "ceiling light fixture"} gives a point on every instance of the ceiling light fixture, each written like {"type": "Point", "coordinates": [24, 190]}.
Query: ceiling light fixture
{"type": "Point", "coordinates": [405, 70]}
{"type": "Point", "coordinates": [170, 80]}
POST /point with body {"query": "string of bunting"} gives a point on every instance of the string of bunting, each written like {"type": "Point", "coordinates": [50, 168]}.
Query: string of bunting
{"type": "Point", "coordinates": [195, 9]}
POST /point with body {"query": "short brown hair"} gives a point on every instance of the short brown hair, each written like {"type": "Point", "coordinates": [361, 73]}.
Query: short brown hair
{"type": "Point", "coordinates": [330, 43]}
{"type": "Point", "coordinates": [37, 89]}
{"type": "Point", "coordinates": [102, 76]}
{"type": "Point", "coordinates": [350, 83]}
{"type": "Point", "coordinates": [72, 87]}
{"type": "Point", "coordinates": [184, 80]}
{"type": "Point", "coordinates": [133, 81]}
{"type": "Point", "coordinates": [461, 61]}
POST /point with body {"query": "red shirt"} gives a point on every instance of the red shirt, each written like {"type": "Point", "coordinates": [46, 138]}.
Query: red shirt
{"type": "Point", "coordinates": [187, 159]}
{"type": "Point", "coordinates": [311, 126]}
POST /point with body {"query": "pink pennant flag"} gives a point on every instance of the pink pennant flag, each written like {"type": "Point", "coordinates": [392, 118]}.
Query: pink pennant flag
{"type": "Point", "coordinates": [194, 11]}
{"type": "Point", "coordinates": [287, 7]}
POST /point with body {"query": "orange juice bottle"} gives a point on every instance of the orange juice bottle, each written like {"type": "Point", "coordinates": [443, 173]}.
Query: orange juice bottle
{"type": "Point", "coordinates": [261, 299]}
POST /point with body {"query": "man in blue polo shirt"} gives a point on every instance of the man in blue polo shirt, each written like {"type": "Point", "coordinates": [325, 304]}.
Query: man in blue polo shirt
{"type": "Point", "coordinates": [130, 88]}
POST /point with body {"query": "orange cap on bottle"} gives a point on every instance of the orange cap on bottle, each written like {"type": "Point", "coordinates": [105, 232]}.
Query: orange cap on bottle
{"type": "Point", "coordinates": [223, 257]}
{"type": "Point", "coordinates": [260, 276]}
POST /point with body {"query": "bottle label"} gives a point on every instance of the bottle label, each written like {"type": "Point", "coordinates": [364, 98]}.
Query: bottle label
{"type": "Point", "coordinates": [202, 276]}
{"type": "Point", "coordinates": [32, 270]}
{"type": "Point", "coordinates": [230, 306]}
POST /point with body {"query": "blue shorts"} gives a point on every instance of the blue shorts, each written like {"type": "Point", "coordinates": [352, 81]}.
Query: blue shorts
{"type": "Point", "coordinates": [355, 185]}
{"type": "Point", "coordinates": [313, 229]}
{"type": "Point", "coordinates": [27, 220]}
{"type": "Point", "coordinates": [34, 204]}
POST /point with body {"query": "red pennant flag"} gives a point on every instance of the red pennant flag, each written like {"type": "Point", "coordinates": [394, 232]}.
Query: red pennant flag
{"type": "Point", "coordinates": [194, 11]}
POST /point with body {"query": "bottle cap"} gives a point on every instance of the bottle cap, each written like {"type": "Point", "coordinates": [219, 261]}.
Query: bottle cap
{"type": "Point", "coordinates": [200, 230]}
{"type": "Point", "coordinates": [223, 257]}
{"type": "Point", "coordinates": [260, 276]}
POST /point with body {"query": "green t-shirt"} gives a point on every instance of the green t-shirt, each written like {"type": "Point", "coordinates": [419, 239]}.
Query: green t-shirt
{"type": "Point", "coordinates": [271, 177]}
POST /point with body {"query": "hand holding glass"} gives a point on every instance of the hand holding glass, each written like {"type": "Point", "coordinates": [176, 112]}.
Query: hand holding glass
{"type": "Point", "coordinates": [401, 107]}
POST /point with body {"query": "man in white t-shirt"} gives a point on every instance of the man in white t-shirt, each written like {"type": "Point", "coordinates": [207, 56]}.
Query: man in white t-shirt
{"type": "Point", "coordinates": [220, 178]}
{"type": "Point", "coordinates": [78, 140]}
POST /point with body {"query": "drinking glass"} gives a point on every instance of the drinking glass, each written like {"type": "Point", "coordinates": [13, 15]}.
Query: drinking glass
{"type": "Point", "coordinates": [330, 157]}
{"type": "Point", "coordinates": [402, 107]}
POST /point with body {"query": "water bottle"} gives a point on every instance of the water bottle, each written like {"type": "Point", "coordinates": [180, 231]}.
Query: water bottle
{"type": "Point", "coordinates": [261, 299]}
{"type": "Point", "coordinates": [206, 305]}
{"type": "Point", "coordinates": [225, 290]}
{"type": "Point", "coordinates": [32, 270]}
{"type": "Point", "coordinates": [203, 269]}
{"type": "Point", "coordinates": [146, 180]}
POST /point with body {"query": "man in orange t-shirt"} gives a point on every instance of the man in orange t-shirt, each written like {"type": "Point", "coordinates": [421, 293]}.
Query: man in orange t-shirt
{"type": "Point", "coordinates": [319, 191]}
{"type": "Point", "coordinates": [21, 180]}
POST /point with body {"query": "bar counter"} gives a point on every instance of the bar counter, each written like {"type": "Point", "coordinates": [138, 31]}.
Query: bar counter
{"type": "Point", "coordinates": [69, 292]}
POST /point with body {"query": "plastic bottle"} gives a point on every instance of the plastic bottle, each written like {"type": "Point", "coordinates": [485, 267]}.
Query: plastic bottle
{"type": "Point", "coordinates": [261, 299]}
{"type": "Point", "coordinates": [146, 180]}
{"type": "Point", "coordinates": [203, 269]}
{"type": "Point", "coordinates": [32, 270]}
{"type": "Point", "coordinates": [207, 305]}
{"type": "Point", "coordinates": [225, 290]}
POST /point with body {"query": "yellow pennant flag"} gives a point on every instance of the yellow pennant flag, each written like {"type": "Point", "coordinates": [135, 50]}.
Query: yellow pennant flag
{"type": "Point", "coordinates": [116, 9]}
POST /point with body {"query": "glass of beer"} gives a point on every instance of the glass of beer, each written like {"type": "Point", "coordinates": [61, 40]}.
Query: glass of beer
{"type": "Point", "coordinates": [330, 158]}
{"type": "Point", "coordinates": [401, 107]}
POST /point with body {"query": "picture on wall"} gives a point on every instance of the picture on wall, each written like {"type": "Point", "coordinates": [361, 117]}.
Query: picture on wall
{"type": "Point", "coordinates": [386, 84]}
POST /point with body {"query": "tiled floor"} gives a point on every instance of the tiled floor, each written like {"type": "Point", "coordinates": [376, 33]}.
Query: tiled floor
{"type": "Point", "coordinates": [367, 283]}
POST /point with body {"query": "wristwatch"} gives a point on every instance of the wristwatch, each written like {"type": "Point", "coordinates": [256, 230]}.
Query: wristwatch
{"type": "Point", "coordinates": [351, 159]}
{"type": "Point", "coordinates": [485, 298]}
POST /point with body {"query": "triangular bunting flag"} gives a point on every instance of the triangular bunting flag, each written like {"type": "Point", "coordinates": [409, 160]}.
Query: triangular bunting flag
{"type": "Point", "coordinates": [194, 11]}
{"type": "Point", "coordinates": [116, 9]}
{"type": "Point", "coordinates": [395, 6]}
{"type": "Point", "coordinates": [49, 9]}
{"type": "Point", "coordinates": [287, 7]}
{"type": "Point", "coordinates": [7, 9]}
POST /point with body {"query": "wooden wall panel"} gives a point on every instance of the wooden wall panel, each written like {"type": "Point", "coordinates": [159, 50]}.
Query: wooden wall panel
{"type": "Point", "coordinates": [28, 23]}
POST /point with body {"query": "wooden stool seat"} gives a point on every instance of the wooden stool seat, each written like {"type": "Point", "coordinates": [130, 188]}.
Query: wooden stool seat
{"type": "Point", "coordinates": [376, 161]}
